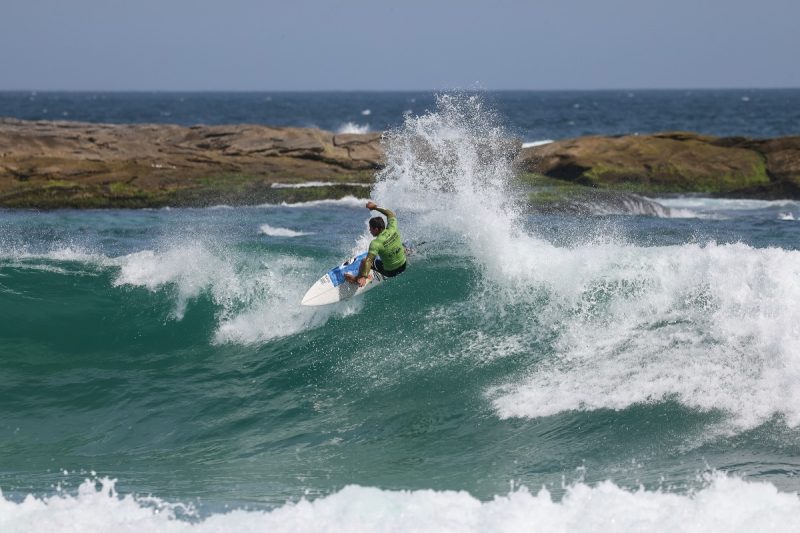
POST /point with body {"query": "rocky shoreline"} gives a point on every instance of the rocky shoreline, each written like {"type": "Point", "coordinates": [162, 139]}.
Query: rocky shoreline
{"type": "Point", "coordinates": [81, 165]}
{"type": "Point", "coordinates": [674, 163]}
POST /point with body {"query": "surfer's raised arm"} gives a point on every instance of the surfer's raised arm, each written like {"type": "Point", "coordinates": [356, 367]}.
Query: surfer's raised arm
{"type": "Point", "coordinates": [387, 246]}
{"type": "Point", "coordinates": [372, 206]}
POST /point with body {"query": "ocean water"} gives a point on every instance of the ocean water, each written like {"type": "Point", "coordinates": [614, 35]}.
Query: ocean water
{"type": "Point", "coordinates": [527, 372]}
{"type": "Point", "coordinates": [527, 115]}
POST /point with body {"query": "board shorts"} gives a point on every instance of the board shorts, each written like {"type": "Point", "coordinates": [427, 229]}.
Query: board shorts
{"type": "Point", "coordinates": [388, 273]}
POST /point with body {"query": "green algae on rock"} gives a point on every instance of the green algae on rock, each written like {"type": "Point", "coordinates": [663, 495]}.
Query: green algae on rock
{"type": "Point", "coordinates": [673, 163]}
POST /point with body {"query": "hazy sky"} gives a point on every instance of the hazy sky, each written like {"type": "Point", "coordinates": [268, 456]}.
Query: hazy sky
{"type": "Point", "coordinates": [401, 44]}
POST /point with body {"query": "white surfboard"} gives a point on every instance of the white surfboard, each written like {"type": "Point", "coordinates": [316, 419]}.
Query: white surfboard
{"type": "Point", "coordinates": [332, 287]}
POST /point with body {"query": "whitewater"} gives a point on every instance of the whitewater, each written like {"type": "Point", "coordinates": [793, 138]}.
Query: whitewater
{"type": "Point", "coordinates": [528, 371]}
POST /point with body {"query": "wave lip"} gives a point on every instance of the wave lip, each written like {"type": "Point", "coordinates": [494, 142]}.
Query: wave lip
{"type": "Point", "coordinates": [346, 201]}
{"type": "Point", "coordinates": [67, 253]}
{"type": "Point", "coordinates": [312, 184]}
{"type": "Point", "coordinates": [726, 204]}
{"type": "Point", "coordinates": [726, 504]}
{"type": "Point", "coordinates": [255, 300]}
{"type": "Point", "coordinates": [616, 203]}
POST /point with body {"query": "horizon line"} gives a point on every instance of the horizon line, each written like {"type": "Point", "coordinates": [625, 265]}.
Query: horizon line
{"type": "Point", "coordinates": [452, 89]}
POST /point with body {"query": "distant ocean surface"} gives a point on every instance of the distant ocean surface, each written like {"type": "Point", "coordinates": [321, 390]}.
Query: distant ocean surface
{"type": "Point", "coordinates": [526, 372]}
{"type": "Point", "coordinates": [528, 115]}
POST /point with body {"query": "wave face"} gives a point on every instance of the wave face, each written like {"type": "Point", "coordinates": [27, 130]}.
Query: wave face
{"type": "Point", "coordinates": [611, 360]}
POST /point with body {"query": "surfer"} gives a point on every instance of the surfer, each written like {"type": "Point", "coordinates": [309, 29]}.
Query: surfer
{"type": "Point", "coordinates": [387, 246]}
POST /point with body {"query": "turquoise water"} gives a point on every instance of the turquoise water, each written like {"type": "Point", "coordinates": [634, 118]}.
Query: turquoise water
{"type": "Point", "coordinates": [642, 370]}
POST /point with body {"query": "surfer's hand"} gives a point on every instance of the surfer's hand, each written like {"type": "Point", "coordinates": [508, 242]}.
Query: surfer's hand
{"type": "Point", "coordinates": [371, 205]}
{"type": "Point", "coordinates": [362, 281]}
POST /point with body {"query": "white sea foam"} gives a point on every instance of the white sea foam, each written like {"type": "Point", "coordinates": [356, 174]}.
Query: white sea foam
{"type": "Point", "coordinates": [266, 229]}
{"type": "Point", "coordinates": [347, 201]}
{"type": "Point", "coordinates": [532, 144]}
{"type": "Point", "coordinates": [713, 327]}
{"type": "Point", "coordinates": [352, 127]}
{"type": "Point", "coordinates": [726, 504]}
{"type": "Point", "coordinates": [677, 212]}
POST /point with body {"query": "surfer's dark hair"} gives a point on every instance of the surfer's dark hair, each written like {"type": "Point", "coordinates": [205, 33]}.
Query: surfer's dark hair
{"type": "Point", "coordinates": [377, 223]}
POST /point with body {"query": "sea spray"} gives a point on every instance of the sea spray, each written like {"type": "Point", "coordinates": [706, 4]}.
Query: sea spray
{"type": "Point", "coordinates": [454, 168]}
{"type": "Point", "coordinates": [352, 127]}
{"type": "Point", "coordinates": [605, 324]}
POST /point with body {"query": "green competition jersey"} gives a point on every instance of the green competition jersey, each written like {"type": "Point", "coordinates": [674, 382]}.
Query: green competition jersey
{"type": "Point", "coordinates": [388, 245]}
